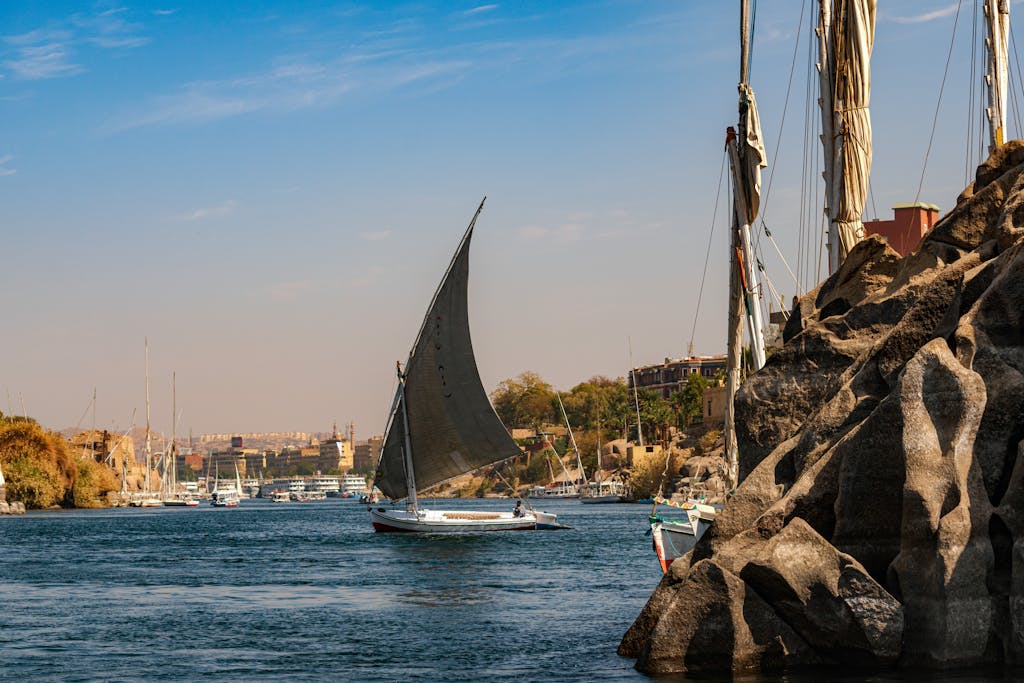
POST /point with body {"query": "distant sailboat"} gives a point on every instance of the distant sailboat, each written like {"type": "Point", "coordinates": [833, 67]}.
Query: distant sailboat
{"type": "Point", "coordinates": [603, 490]}
{"type": "Point", "coordinates": [569, 488]}
{"type": "Point", "coordinates": [442, 424]}
{"type": "Point", "coordinates": [148, 498]}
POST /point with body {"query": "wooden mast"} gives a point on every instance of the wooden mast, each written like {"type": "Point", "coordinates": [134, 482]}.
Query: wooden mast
{"type": "Point", "coordinates": [997, 29]}
{"type": "Point", "coordinates": [410, 475]}
{"type": "Point", "coordinates": [742, 273]}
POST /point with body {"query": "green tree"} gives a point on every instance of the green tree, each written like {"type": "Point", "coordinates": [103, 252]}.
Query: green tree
{"type": "Point", "coordinates": [599, 400]}
{"type": "Point", "coordinates": [524, 401]}
{"type": "Point", "coordinates": [690, 400]}
{"type": "Point", "coordinates": [655, 413]}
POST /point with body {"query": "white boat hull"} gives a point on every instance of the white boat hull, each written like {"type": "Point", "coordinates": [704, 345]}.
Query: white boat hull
{"type": "Point", "coordinates": [456, 521]}
{"type": "Point", "coordinates": [673, 539]}
{"type": "Point", "coordinates": [607, 498]}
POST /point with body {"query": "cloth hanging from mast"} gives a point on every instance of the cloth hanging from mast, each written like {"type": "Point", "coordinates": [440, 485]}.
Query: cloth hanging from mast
{"type": "Point", "coordinates": [753, 153]}
{"type": "Point", "coordinates": [853, 39]}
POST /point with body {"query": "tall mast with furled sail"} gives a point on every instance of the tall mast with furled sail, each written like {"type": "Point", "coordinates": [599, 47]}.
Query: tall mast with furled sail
{"type": "Point", "coordinates": [846, 35]}
{"type": "Point", "coordinates": [997, 36]}
{"type": "Point", "coordinates": [746, 159]}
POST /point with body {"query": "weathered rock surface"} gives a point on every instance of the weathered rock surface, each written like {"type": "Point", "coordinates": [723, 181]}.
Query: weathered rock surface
{"type": "Point", "coordinates": [880, 518]}
{"type": "Point", "coordinates": [15, 508]}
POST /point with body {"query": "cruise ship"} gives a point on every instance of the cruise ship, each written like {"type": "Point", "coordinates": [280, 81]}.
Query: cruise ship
{"type": "Point", "coordinates": [353, 485]}
{"type": "Point", "coordinates": [326, 484]}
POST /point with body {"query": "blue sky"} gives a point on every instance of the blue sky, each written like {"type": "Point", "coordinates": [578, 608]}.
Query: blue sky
{"type": "Point", "coordinates": [270, 191]}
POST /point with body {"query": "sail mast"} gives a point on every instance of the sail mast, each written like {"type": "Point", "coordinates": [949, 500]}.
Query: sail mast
{"type": "Point", "coordinates": [997, 25]}
{"type": "Point", "coordinates": [173, 484]}
{"type": "Point", "coordinates": [149, 449]}
{"type": "Point", "coordinates": [579, 460]}
{"type": "Point", "coordinates": [746, 158]}
{"type": "Point", "coordinates": [410, 474]}
{"type": "Point", "coordinates": [636, 393]}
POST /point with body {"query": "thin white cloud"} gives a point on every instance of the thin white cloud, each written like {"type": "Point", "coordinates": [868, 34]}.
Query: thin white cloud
{"type": "Point", "coordinates": [164, 12]}
{"type": "Point", "coordinates": [225, 208]}
{"type": "Point", "coordinates": [940, 13]}
{"type": "Point", "coordinates": [283, 88]}
{"type": "Point", "coordinates": [375, 236]}
{"type": "Point", "coordinates": [4, 169]}
{"type": "Point", "coordinates": [51, 52]}
{"type": "Point", "coordinates": [479, 10]}
{"type": "Point", "coordinates": [40, 54]}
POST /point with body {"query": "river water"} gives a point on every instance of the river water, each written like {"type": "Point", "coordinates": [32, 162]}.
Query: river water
{"type": "Point", "coordinates": [309, 592]}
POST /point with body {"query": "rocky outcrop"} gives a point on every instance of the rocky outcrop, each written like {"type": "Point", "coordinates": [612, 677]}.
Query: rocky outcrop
{"type": "Point", "coordinates": [880, 518]}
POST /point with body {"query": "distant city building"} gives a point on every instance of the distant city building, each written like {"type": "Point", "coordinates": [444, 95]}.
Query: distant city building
{"type": "Point", "coordinates": [339, 451]}
{"type": "Point", "coordinates": [670, 376]}
{"type": "Point", "coordinates": [909, 224]}
{"type": "Point", "coordinates": [366, 453]}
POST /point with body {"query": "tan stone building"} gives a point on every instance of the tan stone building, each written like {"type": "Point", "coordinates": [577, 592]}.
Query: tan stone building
{"type": "Point", "coordinates": [714, 404]}
{"type": "Point", "coordinates": [367, 452]}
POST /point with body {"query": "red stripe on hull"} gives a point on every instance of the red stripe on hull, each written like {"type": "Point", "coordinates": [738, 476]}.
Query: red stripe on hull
{"type": "Point", "coordinates": [377, 526]}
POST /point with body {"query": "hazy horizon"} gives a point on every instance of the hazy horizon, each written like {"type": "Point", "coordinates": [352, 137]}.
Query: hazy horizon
{"type": "Point", "coordinates": [271, 193]}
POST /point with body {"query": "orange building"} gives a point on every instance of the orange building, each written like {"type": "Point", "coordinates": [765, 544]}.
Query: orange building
{"type": "Point", "coordinates": [909, 224]}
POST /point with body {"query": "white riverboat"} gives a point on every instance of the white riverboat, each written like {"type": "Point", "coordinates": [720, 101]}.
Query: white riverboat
{"type": "Point", "coordinates": [353, 485]}
{"type": "Point", "coordinates": [328, 485]}
{"type": "Point", "coordinates": [608, 491]}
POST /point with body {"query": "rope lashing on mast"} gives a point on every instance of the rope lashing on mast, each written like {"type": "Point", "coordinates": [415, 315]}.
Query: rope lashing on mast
{"type": "Point", "coordinates": [743, 282]}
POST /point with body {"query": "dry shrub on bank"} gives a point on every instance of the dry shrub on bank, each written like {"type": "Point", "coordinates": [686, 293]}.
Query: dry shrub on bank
{"type": "Point", "coordinates": [38, 468]}
{"type": "Point", "coordinates": [92, 484]}
{"type": "Point", "coordinates": [41, 471]}
{"type": "Point", "coordinates": [648, 475]}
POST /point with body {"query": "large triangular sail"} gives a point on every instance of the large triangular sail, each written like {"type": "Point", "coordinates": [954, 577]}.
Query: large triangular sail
{"type": "Point", "coordinates": [442, 410]}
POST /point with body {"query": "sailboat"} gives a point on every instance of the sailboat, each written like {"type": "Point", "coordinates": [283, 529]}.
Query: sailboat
{"type": "Point", "coordinates": [568, 488]}
{"type": "Point", "coordinates": [603, 490]}
{"type": "Point", "coordinates": [148, 499]}
{"type": "Point", "coordinates": [172, 498]}
{"type": "Point", "coordinates": [441, 423]}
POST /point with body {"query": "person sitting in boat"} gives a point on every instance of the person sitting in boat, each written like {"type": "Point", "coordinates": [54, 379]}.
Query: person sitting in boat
{"type": "Point", "coordinates": [518, 511]}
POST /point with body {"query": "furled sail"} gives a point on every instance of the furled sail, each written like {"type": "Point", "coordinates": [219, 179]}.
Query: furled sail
{"type": "Point", "coordinates": [452, 426]}
{"type": "Point", "coordinates": [753, 155]}
{"type": "Point", "coordinates": [847, 33]}
{"type": "Point", "coordinates": [997, 24]}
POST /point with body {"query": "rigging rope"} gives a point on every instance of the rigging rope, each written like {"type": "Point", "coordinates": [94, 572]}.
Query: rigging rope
{"type": "Point", "coordinates": [778, 145]}
{"type": "Point", "coordinates": [971, 102]}
{"type": "Point", "coordinates": [1020, 74]}
{"type": "Point", "coordinates": [707, 256]}
{"type": "Point", "coordinates": [938, 103]}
